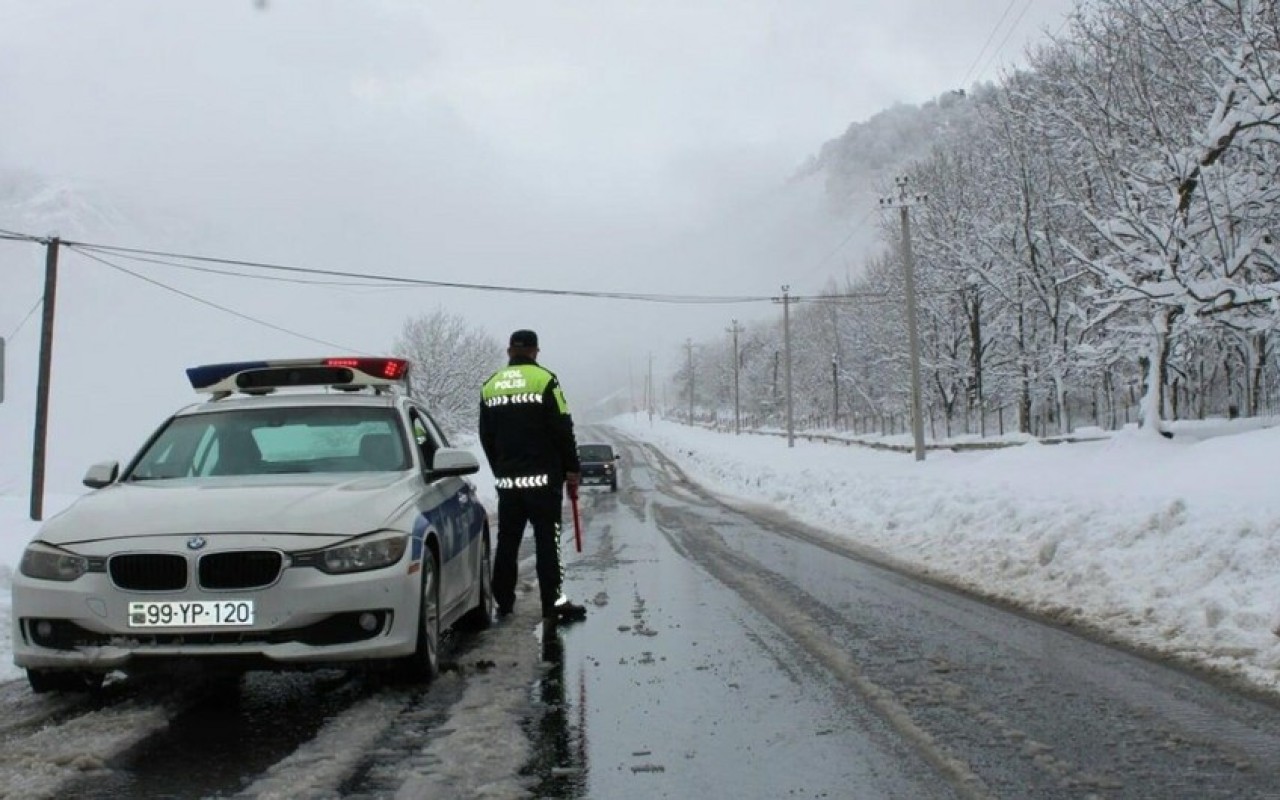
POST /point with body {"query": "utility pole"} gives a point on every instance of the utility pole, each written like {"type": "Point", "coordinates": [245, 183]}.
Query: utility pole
{"type": "Point", "coordinates": [835, 362]}
{"type": "Point", "coordinates": [775, 395]}
{"type": "Point", "coordinates": [904, 202]}
{"type": "Point", "coordinates": [689, 348]}
{"type": "Point", "coordinates": [42, 387]}
{"type": "Point", "coordinates": [786, 345]}
{"type": "Point", "coordinates": [648, 390]}
{"type": "Point", "coordinates": [735, 329]}
{"type": "Point", "coordinates": [835, 392]}
{"type": "Point", "coordinates": [631, 387]}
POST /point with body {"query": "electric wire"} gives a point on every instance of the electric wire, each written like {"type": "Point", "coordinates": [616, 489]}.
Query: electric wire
{"type": "Point", "coordinates": [987, 43]}
{"type": "Point", "coordinates": [98, 252]}
{"type": "Point", "coordinates": [18, 237]}
{"type": "Point", "coordinates": [18, 329]}
{"type": "Point", "coordinates": [5, 233]}
{"type": "Point", "coordinates": [420, 282]}
{"type": "Point", "coordinates": [1066, 20]}
{"type": "Point", "coordinates": [393, 281]}
{"type": "Point", "coordinates": [868, 298]}
{"type": "Point", "coordinates": [15, 236]}
{"type": "Point", "coordinates": [854, 229]}
{"type": "Point", "coordinates": [232, 273]}
{"type": "Point", "coordinates": [219, 307]}
{"type": "Point", "coordinates": [996, 53]}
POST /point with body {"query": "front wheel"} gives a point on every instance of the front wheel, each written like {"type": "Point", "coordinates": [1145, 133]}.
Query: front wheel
{"type": "Point", "coordinates": [424, 664]}
{"type": "Point", "coordinates": [481, 615]}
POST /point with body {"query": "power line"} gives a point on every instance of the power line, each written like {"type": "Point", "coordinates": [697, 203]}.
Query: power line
{"type": "Point", "coordinates": [419, 282]}
{"type": "Point", "coordinates": [855, 228]}
{"type": "Point", "coordinates": [24, 319]}
{"type": "Point", "coordinates": [14, 236]}
{"type": "Point", "coordinates": [868, 299]}
{"type": "Point", "coordinates": [996, 53]}
{"type": "Point", "coordinates": [373, 280]}
{"type": "Point", "coordinates": [1066, 20]}
{"type": "Point", "coordinates": [217, 306]}
{"type": "Point", "coordinates": [19, 237]}
{"type": "Point", "coordinates": [234, 274]}
{"type": "Point", "coordinates": [987, 43]}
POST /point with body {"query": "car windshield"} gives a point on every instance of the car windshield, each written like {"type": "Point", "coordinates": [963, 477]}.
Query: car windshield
{"type": "Point", "coordinates": [595, 452]}
{"type": "Point", "coordinates": [275, 441]}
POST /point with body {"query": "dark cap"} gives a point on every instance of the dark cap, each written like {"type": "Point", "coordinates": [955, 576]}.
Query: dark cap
{"type": "Point", "coordinates": [524, 338]}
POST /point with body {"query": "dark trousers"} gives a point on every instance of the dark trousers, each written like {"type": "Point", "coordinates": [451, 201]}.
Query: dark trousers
{"type": "Point", "coordinates": [541, 509]}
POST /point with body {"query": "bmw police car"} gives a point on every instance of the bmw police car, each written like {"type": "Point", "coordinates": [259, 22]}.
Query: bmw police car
{"type": "Point", "coordinates": [329, 524]}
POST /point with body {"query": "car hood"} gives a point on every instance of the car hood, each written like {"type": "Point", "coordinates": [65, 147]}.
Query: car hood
{"type": "Point", "coordinates": [297, 504]}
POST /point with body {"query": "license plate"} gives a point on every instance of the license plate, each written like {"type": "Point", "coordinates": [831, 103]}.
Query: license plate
{"type": "Point", "coordinates": [190, 613]}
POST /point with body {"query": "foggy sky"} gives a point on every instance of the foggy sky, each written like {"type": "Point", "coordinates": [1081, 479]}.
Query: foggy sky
{"type": "Point", "coordinates": [613, 146]}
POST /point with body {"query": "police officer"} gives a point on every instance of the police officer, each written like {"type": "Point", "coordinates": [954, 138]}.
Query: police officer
{"type": "Point", "coordinates": [527, 435]}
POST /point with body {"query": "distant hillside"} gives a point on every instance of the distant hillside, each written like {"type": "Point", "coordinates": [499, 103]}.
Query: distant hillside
{"type": "Point", "coordinates": [860, 165]}
{"type": "Point", "coordinates": [42, 205]}
{"type": "Point", "coordinates": [76, 209]}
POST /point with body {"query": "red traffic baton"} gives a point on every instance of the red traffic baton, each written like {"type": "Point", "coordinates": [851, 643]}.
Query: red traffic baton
{"type": "Point", "coordinates": [577, 521]}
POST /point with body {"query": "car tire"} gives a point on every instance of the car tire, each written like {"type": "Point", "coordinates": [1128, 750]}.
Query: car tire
{"type": "Point", "coordinates": [613, 487]}
{"type": "Point", "coordinates": [424, 664]}
{"type": "Point", "coordinates": [480, 616]}
{"type": "Point", "coordinates": [43, 681]}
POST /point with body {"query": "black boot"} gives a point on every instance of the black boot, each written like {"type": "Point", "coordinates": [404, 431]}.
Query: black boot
{"type": "Point", "coordinates": [564, 611]}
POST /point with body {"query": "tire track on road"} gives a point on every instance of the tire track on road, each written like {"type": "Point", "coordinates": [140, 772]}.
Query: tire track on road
{"type": "Point", "coordinates": [701, 544]}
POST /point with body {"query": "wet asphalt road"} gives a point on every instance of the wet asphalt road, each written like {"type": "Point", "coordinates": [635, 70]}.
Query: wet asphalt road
{"type": "Point", "coordinates": [735, 654]}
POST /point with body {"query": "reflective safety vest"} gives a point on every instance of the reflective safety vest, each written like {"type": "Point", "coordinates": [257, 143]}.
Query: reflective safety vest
{"type": "Point", "coordinates": [525, 427]}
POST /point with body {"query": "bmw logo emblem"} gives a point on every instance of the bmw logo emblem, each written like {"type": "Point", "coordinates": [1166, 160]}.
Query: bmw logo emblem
{"type": "Point", "coordinates": [196, 542]}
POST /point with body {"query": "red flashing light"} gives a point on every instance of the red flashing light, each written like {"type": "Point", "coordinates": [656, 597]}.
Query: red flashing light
{"type": "Point", "coordinates": [389, 368]}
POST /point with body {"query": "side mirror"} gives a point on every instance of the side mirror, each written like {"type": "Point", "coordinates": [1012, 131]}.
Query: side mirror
{"type": "Point", "coordinates": [104, 473]}
{"type": "Point", "coordinates": [453, 461]}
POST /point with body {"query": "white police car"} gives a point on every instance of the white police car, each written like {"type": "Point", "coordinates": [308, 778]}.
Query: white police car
{"type": "Point", "coordinates": [328, 525]}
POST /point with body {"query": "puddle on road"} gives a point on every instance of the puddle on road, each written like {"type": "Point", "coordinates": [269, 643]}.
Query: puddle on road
{"type": "Point", "coordinates": [559, 760]}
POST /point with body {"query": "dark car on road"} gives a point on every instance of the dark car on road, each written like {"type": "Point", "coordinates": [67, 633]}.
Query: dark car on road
{"type": "Point", "coordinates": [599, 465]}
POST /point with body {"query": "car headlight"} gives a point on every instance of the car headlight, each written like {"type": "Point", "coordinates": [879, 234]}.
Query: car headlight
{"type": "Point", "coordinates": [372, 553]}
{"type": "Point", "coordinates": [51, 564]}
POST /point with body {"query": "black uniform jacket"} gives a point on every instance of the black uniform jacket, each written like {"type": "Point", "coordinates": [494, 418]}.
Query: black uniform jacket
{"type": "Point", "coordinates": [525, 427]}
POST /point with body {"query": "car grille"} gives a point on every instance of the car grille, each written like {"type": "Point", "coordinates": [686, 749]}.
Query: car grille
{"type": "Point", "coordinates": [148, 572]}
{"type": "Point", "coordinates": [246, 569]}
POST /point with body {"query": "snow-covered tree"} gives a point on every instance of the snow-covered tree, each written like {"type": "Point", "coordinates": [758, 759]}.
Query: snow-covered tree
{"type": "Point", "coordinates": [451, 359]}
{"type": "Point", "coordinates": [1099, 236]}
{"type": "Point", "coordinates": [1176, 104]}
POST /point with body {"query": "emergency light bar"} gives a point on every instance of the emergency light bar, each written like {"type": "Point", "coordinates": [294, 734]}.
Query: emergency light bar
{"type": "Point", "coordinates": [261, 377]}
